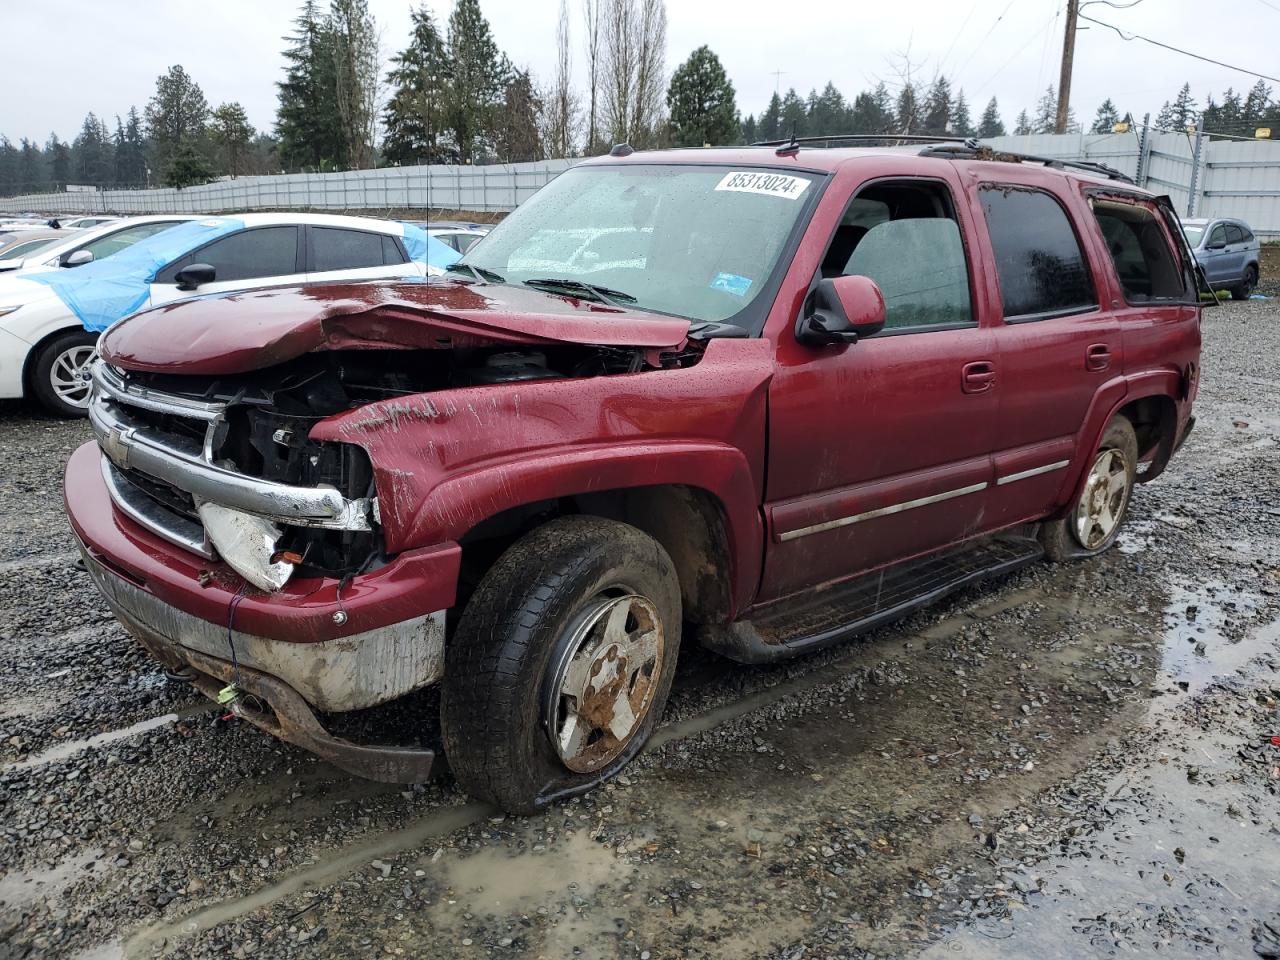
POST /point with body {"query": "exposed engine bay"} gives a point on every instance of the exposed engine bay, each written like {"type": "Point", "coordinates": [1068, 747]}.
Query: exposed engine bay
{"type": "Point", "coordinates": [270, 413]}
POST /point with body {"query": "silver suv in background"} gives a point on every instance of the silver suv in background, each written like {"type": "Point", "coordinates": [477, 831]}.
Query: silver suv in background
{"type": "Point", "coordinates": [1228, 252]}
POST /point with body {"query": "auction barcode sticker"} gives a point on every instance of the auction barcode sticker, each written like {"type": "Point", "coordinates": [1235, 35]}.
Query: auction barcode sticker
{"type": "Point", "coordinates": [770, 184]}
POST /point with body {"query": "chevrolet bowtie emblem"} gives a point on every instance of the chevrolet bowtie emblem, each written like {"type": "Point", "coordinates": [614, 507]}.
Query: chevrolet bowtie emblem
{"type": "Point", "coordinates": [115, 444]}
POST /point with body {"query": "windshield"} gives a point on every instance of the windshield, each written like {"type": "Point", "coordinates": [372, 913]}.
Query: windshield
{"type": "Point", "coordinates": [1193, 234]}
{"type": "Point", "coordinates": [694, 241]}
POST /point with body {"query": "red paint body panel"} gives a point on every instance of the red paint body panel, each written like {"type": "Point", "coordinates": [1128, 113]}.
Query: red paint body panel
{"type": "Point", "coordinates": [238, 332]}
{"type": "Point", "coordinates": [416, 583]}
{"type": "Point", "coordinates": [784, 436]}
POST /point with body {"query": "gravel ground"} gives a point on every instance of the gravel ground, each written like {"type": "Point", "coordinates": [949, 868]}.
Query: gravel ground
{"type": "Point", "coordinates": [1074, 761]}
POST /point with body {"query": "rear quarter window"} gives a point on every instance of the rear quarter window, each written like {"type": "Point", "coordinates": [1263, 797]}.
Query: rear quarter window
{"type": "Point", "coordinates": [1145, 263]}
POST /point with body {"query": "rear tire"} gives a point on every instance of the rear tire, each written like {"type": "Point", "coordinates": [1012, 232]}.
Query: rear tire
{"type": "Point", "coordinates": [561, 663]}
{"type": "Point", "coordinates": [1245, 290]}
{"type": "Point", "coordinates": [1093, 521]}
{"type": "Point", "coordinates": [60, 373]}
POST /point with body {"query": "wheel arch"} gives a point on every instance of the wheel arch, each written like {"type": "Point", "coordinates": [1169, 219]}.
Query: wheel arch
{"type": "Point", "coordinates": [690, 522]}
{"type": "Point", "coordinates": [37, 346]}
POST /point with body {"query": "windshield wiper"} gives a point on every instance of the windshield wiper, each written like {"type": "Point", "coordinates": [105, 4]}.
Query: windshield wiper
{"type": "Point", "coordinates": [603, 294]}
{"type": "Point", "coordinates": [480, 273]}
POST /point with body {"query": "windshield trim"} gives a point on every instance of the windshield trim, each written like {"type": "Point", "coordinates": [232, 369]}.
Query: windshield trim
{"type": "Point", "coordinates": [751, 317]}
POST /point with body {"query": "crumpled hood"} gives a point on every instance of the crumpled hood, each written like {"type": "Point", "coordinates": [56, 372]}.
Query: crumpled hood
{"type": "Point", "coordinates": [251, 330]}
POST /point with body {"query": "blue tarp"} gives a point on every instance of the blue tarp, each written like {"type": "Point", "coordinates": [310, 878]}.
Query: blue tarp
{"type": "Point", "coordinates": [424, 248]}
{"type": "Point", "coordinates": [108, 290]}
{"type": "Point", "coordinates": [102, 292]}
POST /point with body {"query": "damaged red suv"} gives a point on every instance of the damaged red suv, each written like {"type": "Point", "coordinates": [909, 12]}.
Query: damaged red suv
{"type": "Point", "coordinates": [759, 399]}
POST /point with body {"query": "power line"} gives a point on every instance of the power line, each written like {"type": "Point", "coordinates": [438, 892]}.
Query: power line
{"type": "Point", "coordinates": [1185, 53]}
{"type": "Point", "coordinates": [960, 69]}
{"type": "Point", "coordinates": [1268, 3]}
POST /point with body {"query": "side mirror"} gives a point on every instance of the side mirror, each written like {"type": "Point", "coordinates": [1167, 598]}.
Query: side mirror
{"type": "Point", "coordinates": [189, 278]}
{"type": "Point", "coordinates": [77, 258]}
{"type": "Point", "coordinates": [841, 310]}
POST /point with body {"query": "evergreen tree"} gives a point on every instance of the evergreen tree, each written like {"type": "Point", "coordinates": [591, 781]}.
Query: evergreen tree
{"type": "Point", "coordinates": [9, 160]}
{"type": "Point", "coordinates": [770, 123]}
{"type": "Point", "coordinates": [176, 116]}
{"type": "Point", "coordinates": [1107, 117]}
{"type": "Point", "coordinates": [1022, 126]}
{"type": "Point", "coordinates": [828, 113]}
{"type": "Point", "coordinates": [480, 74]}
{"type": "Point", "coordinates": [91, 153]}
{"type": "Point", "coordinates": [1231, 113]}
{"type": "Point", "coordinates": [701, 102]}
{"type": "Point", "coordinates": [748, 131]}
{"type": "Point", "coordinates": [882, 102]}
{"type": "Point", "coordinates": [188, 167]}
{"type": "Point", "coordinates": [990, 124]}
{"type": "Point", "coordinates": [232, 130]}
{"type": "Point", "coordinates": [59, 161]}
{"type": "Point", "coordinates": [31, 173]}
{"type": "Point", "coordinates": [907, 112]}
{"type": "Point", "coordinates": [419, 79]}
{"type": "Point", "coordinates": [516, 134]}
{"type": "Point", "coordinates": [961, 123]}
{"type": "Point", "coordinates": [1046, 112]}
{"type": "Point", "coordinates": [130, 150]}
{"type": "Point", "coordinates": [937, 108]}
{"type": "Point", "coordinates": [795, 114]}
{"type": "Point", "coordinates": [1256, 105]}
{"type": "Point", "coordinates": [308, 123]}
{"type": "Point", "coordinates": [1185, 113]}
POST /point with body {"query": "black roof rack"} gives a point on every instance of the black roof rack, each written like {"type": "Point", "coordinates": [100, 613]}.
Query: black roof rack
{"type": "Point", "coordinates": [980, 151]}
{"type": "Point", "coordinates": [829, 139]}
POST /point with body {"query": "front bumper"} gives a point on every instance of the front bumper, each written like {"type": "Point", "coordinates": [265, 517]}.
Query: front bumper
{"type": "Point", "coordinates": [266, 701]}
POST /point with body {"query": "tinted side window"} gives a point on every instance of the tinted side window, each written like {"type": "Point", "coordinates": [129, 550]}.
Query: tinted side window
{"type": "Point", "coordinates": [336, 249]}
{"type": "Point", "coordinates": [1218, 236]}
{"type": "Point", "coordinates": [1039, 263]}
{"type": "Point", "coordinates": [1234, 234]}
{"type": "Point", "coordinates": [1144, 262]}
{"type": "Point", "coordinates": [247, 255]}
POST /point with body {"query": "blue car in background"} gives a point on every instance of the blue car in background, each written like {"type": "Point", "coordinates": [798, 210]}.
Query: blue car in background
{"type": "Point", "coordinates": [1228, 252]}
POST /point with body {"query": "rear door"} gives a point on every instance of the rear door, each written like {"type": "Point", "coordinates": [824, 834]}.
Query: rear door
{"type": "Point", "coordinates": [1056, 345]}
{"type": "Point", "coordinates": [880, 450]}
{"type": "Point", "coordinates": [339, 253]}
{"type": "Point", "coordinates": [1235, 254]}
{"type": "Point", "coordinates": [255, 257]}
{"type": "Point", "coordinates": [1214, 256]}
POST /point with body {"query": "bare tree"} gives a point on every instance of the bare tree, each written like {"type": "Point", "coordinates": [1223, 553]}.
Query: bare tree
{"type": "Point", "coordinates": [357, 60]}
{"type": "Point", "coordinates": [560, 110]}
{"type": "Point", "coordinates": [591, 18]}
{"type": "Point", "coordinates": [635, 43]}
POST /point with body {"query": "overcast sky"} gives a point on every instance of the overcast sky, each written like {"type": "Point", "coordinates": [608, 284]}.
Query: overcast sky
{"type": "Point", "coordinates": [64, 58]}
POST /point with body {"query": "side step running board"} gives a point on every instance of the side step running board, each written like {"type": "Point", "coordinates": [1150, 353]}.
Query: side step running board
{"type": "Point", "coordinates": [828, 616]}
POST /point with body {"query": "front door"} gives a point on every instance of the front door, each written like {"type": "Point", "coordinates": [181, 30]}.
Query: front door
{"type": "Point", "coordinates": [880, 450]}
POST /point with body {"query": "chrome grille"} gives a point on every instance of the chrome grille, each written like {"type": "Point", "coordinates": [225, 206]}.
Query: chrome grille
{"type": "Point", "coordinates": [158, 461]}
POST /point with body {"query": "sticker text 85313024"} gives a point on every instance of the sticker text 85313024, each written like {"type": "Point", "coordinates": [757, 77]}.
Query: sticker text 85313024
{"type": "Point", "coordinates": [761, 181]}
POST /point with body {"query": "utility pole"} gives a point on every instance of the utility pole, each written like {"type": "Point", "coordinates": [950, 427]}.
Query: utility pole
{"type": "Point", "coordinates": [1068, 54]}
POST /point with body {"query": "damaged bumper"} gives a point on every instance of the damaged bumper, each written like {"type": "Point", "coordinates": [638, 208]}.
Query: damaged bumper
{"type": "Point", "coordinates": [266, 701]}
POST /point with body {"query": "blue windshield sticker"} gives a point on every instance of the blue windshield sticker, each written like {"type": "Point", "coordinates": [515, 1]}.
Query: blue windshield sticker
{"type": "Point", "coordinates": [731, 283]}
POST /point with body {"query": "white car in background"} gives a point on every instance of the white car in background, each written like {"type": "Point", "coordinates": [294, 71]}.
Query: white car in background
{"type": "Point", "coordinates": [50, 320]}
{"type": "Point", "coordinates": [461, 236]}
{"type": "Point", "coordinates": [85, 246]}
{"type": "Point", "coordinates": [81, 223]}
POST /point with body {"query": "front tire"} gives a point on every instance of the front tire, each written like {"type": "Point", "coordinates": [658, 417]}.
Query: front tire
{"type": "Point", "coordinates": [561, 663]}
{"type": "Point", "coordinates": [1095, 517]}
{"type": "Point", "coordinates": [60, 373]}
{"type": "Point", "coordinates": [1245, 290]}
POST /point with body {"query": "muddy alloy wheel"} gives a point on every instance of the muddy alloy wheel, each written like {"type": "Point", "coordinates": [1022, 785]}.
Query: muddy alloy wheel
{"type": "Point", "coordinates": [1092, 523]}
{"type": "Point", "coordinates": [561, 662]}
{"type": "Point", "coordinates": [1106, 494]}
{"type": "Point", "coordinates": [602, 689]}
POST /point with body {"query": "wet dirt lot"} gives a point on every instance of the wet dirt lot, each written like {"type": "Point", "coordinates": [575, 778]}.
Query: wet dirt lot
{"type": "Point", "coordinates": [1074, 761]}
